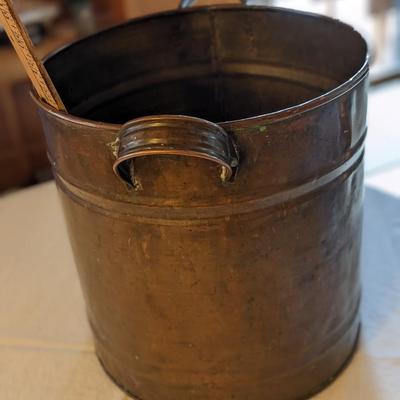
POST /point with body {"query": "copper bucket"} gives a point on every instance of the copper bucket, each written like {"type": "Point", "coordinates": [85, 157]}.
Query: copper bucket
{"type": "Point", "coordinates": [219, 260]}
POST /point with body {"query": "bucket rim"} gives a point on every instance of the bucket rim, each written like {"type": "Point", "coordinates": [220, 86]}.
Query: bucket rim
{"type": "Point", "coordinates": [263, 119]}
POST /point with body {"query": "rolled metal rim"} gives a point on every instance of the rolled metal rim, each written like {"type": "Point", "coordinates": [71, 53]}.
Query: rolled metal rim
{"type": "Point", "coordinates": [272, 117]}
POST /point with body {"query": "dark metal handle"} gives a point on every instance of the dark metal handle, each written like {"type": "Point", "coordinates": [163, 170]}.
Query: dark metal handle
{"type": "Point", "coordinates": [174, 135]}
{"type": "Point", "coordinates": [188, 3]}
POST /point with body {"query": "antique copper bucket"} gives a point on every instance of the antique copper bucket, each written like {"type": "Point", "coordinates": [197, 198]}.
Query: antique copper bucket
{"type": "Point", "coordinates": [223, 260]}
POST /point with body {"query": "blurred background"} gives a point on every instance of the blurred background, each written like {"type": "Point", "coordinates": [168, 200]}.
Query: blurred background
{"type": "Point", "coordinates": [53, 23]}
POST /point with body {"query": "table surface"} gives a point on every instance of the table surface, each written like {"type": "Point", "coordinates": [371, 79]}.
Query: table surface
{"type": "Point", "coordinates": [46, 349]}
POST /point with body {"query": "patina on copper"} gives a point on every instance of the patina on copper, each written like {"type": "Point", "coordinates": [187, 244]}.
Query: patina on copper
{"type": "Point", "coordinates": [199, 288]}
{"type": "Point", "coordinates": [174, 135]}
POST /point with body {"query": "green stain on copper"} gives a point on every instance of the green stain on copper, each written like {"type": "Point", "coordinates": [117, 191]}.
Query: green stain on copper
{"type": "Point", "coordinates": [262, 129]}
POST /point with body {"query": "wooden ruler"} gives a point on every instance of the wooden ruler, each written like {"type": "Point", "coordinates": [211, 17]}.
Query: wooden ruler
{"type": "Point", "coordinates": [24, 47]}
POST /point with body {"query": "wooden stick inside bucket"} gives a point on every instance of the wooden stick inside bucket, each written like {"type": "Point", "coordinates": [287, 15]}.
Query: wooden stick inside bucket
{"type": "Point", "coordinates": [24, 47]}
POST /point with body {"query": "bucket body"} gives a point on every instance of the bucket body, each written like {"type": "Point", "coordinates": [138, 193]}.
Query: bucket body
{"type": "Point", "coordinates": [223, 261]}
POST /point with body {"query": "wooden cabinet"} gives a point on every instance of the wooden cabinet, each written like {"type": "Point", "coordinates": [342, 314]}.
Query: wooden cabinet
{"type": "Point", "coordinates": [23, 158]}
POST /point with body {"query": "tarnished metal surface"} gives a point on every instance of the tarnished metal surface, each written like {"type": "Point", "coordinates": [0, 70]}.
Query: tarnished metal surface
{"type": "Point", "coordinates": [196, 288]}
{"type": "Point", "coordinates": [174, 135]}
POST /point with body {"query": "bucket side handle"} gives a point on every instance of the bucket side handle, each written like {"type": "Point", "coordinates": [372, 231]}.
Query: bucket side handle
{"type": "Point", "coordinates": [174, 135]}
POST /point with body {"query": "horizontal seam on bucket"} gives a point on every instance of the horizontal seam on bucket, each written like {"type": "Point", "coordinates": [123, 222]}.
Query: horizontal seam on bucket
{"type": "Point", "coordinates": [182, 214]}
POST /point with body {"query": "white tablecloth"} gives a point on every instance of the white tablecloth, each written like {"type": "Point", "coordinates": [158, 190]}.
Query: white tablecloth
{"type": "Point", "coordinates": [46, 351]}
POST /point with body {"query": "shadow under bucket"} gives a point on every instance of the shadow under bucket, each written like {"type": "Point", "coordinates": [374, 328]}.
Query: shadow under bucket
{"type": "Point", "coordinates": [223, 260]}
